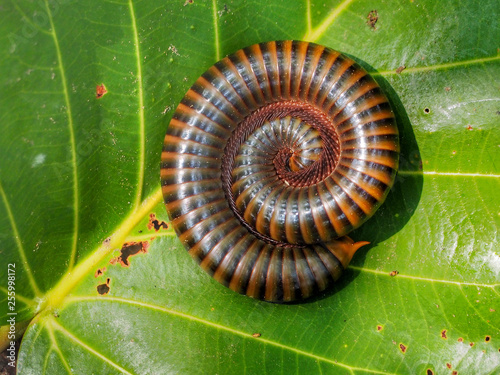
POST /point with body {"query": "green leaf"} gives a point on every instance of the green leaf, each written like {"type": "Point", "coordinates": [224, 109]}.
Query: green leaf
{"type": "Point", "coordinates": [79, 177]}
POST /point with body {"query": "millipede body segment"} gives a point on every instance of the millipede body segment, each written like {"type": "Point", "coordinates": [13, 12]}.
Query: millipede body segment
{"type": "Point", "coordinates": [274, 155]}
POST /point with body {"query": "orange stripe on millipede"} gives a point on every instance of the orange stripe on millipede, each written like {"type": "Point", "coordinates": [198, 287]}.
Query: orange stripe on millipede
{"type": "Point", "coordinates": [331, 58]}
{"type": "Point", "coordinates": [274, 73]}
{"type": "Point", "coordinates": [317, 51]}
{"type": "Point", "coordinates": [346, 64]}
{"type": "Point", "coordinates": [300, 57]}
{"type": "Point", "coordinates": [259, 59]}
{"type": "Point", "coordinates": [246, 93]}
{"type": "Point", "coordinates": [273, 277]}
{"type": "Point", "coordinates": [216, 72]}
{"type": "Point", "coordinates": [251, 75]}
{"type": "Point", "coordinates": [216, 93]}
{"type": "Point", "coordinates": [286, 75]}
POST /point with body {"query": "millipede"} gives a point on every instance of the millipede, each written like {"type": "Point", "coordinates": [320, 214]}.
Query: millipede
{"type": "Point", "coordinates": [272, 157]}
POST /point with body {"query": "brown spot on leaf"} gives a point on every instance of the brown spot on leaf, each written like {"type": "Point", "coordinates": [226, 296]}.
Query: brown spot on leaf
{"type": "Point", "coordinates": [103, 289]}
{"type": "Point", "coordinates": [471, 344]}
{"type": "Point", "coordinates": [188, 2]}
{"type": "Point", "coordinates": [427, 110]}
{"type": "Point", "coordinates": [393, 273]}
{"type": "Point", "coordinates": [443, 334]}
{"type": "Point", "coordinates": [106, 242]}
{"type": "Point", "coordinates": [130, 249]}
{"type": "Point", "coordinates": [380, 328]}
{"type": "Point", "coordinates": [256, 334]}
{"type": "Point", "coordinates": [469, 127]}
{"type": "Point", "coordinates": [448, 365]}
{"type": "Point", "coordinates": [460, 339]}
{"type": "Point", "coordinates": [492, 310]}
{"type": "Point", "coordinates": [447, 88]}
{"type": "Point", "coordinates": [430, 372]}
{"type": "Point", "coordinates": [100, 91]}
{"type": "Point", "coordinates": [155, 223]}
{"type": "Point", "coordinates": [454, 372]}
{"type": "Point", "coordinates": [372, 19]}
{"type": "Point", "coordinates": [99, 272]}
{"type": "Point", "coordinates": [400, 69]}
{"type": "Point", "coordinates": [403, 348]}
{"type": "Point", "coordinates": [487, 338]}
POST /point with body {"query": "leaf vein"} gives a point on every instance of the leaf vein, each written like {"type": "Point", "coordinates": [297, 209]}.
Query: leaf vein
{"type": "Point", "coordinates": [318, 32]}
{"type": "Point", "coordinates": [55, 346]}
{"type": "Point", "coordinates": [19, 243]}
{"type": "Point", "coordinates": [140, 95]}
{"type": "Point", "coordinates": [438, 66]}
{"type": "Point", "coordinates": [476, 310]}
{"type": "Point", "coordinates": [456, 174]}
{"type": "Point", "coordinates": [28, 20]}
{"type": "Point", "coordinates": [73, 338]}
{"type": "Point", "coordinates": [220, 327]}
{"type": "Point", "coordinates": [71, 136]}
{"type": "Point", "coordinates": [417, 278]}
{"type": "Point", "coordinates": [216, 30]}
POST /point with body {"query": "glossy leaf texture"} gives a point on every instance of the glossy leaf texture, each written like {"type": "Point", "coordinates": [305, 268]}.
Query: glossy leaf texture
{"type": "Point", "coordinates": [107, 291]}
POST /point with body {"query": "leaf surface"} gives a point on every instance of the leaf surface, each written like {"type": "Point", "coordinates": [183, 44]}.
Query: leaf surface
{"type": "Point", "coordinates": [79, 178]}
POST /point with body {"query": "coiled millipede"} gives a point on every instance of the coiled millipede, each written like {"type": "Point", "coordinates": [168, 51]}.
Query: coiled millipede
{"type": "Point", "coordinates": [275, 154]}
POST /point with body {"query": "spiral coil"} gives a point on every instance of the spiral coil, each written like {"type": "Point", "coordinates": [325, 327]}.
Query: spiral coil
{"type": "Point", "coordinates": [274, 155]}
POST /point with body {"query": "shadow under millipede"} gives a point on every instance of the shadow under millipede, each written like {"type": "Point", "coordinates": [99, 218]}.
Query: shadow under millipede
{"type": "Point", "coordinates": [404, 197]}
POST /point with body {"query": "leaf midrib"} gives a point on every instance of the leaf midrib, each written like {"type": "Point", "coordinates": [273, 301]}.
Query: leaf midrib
{"type": "Point", "coordinates": [56, 295]}
{"type": "Point", "coordinates": [75, 273]}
